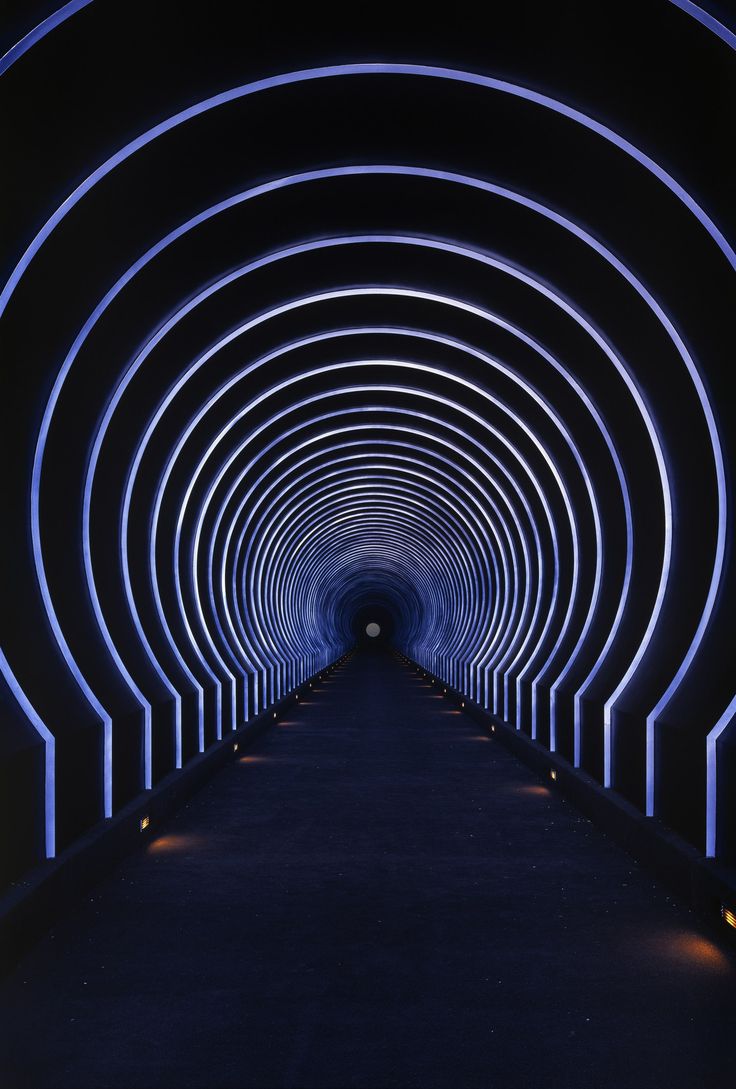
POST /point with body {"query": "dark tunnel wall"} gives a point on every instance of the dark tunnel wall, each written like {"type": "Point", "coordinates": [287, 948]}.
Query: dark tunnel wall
{"type": "Point", "coordinates": [302, 325]}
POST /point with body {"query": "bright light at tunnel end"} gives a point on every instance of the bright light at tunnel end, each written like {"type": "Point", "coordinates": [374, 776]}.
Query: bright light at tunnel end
{"type": "Point", "coordinates": [494, 557]}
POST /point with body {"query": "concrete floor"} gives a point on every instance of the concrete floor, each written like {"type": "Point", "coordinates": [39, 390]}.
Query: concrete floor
{"type": "Point", "coordinates": [376, 895]}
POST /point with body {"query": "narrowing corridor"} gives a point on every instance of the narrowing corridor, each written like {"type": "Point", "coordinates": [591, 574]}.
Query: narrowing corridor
{"type": "Point", "coordinates": [376, 893]}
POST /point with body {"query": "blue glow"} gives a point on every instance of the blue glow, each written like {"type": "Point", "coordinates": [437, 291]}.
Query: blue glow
{"type": "Point", "coordinates": [49, 744]}
{"type": "Point", "coordinates": [513, 272]}
{"type": "Point", "coordinates": [44, 27]}
{"type": "Point", "coordinates": [707, 20]}
{"type": "Point", "coordinates": [446, 176]}
{"type": "Point", "coordinates": [711, 805]}
{"type": "Point", "coordinates": [497, 653]}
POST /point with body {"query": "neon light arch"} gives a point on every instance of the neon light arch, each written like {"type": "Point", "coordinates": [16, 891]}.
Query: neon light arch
{"type": "Point", "coordinates": [239, 541]}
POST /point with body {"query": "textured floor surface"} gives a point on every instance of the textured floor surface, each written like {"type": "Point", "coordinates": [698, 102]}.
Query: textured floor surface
{"type": "Point", "coordinates": [376, 895]}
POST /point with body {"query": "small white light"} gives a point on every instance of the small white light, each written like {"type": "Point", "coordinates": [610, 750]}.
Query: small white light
{"type": "Point", "coordinates": [145, 821]}
{"type": "Point", "coordinates": [553, 773]}
{"type": "Point", "coordinates": [235, 746]}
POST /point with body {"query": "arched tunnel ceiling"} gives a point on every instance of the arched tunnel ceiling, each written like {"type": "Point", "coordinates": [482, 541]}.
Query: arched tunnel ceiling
{"type": "Point", "coordinates": [300, 322]}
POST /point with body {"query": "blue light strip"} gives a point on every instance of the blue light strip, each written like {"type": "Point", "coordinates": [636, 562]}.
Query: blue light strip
{"type": "Point", "coordinates": [49, 745]}
{"type": "Point", "coordinates": [530, 282]}
{"type": "Point", "coordinates": [372, 389]}
{"type": "Point", "coordinates": [327, 72]}
{"type": "Point", "coordinates": [445, 176]}
{"type": "Point", "coordinates": [540, 403]}
{"type": "Point", "coordinates": [709, 21]}
{"type": "Point", "coordinates": [419, 454]}
{"type": "Point", "coordinates": [314, 507]}
{"type": "Point", "coordinates": [342, 241]}
{"type": "Point", "coordinates": [265, 453]}
{"type": "Point", "coordinates": [39, 32]}
{"type": "Point", "coordinates": [725, 722]}
{"type": "Point", "coordinates": [410, 366]}
{"type": "Point", "coordinates": [505, 648]}
{"type": "Point", "coordinates": [279, 484]}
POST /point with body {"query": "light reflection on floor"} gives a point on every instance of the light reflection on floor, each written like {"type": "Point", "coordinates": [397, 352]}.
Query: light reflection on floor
{"type": "Point", "coordinates": [690, 950]}
{"type": "Point", "coordinates": [174, 842]}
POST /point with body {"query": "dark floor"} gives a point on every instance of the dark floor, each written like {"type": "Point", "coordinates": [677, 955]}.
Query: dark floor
{"type": "Point", "coordinates": [377, 895]}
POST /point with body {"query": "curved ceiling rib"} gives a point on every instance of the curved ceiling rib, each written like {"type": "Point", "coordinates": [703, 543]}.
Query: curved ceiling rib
{"type": "Point", "coordinates": [293, 365]}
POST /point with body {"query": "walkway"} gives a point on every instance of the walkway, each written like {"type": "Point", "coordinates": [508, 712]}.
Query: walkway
{"type": "Point", "coordinates": [376, 895]}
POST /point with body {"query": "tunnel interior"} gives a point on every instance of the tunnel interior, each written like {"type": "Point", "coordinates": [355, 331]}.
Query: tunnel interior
{"type": "Point", "coordinates": [419, 329]}
{"type": "Point", "coordinates": [373, 624]}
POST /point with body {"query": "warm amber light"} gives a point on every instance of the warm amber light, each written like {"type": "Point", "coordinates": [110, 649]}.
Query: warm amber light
{"type": "Point", "coordinates": [728, 915]}
{"type": "Point", "coordinates": [173, 842]}
{"type": "Point", "coordinates": [145, 821]}
{"type": "Point", "coordinates": [553, 773]}
{"type": "Point", "coordinates": [536, 791]}
{"type": "Point", "coordinates": [690, 950]}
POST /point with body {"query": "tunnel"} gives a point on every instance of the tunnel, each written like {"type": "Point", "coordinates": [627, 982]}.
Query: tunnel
{"type": "Point", "coordinates": [374, 378]}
